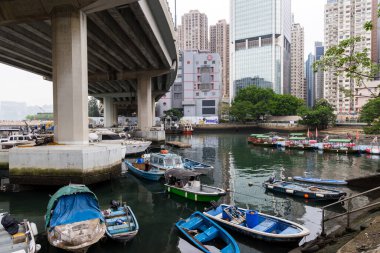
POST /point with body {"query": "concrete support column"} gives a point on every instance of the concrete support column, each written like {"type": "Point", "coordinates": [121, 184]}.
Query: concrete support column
{"type": "Point", "coordinates": [109, 112]}
{"type": "Point", "coordinates": [70, 77]}
{"type": "Point", "coordinates": [144, 103]}
{"type": "Point", "coordinates": [153, 111]}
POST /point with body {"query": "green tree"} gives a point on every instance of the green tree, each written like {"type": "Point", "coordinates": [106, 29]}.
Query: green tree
{"type": "Point", "coordinates": [283, 105]}
{"type": "Point", "coordinates": [374, 128]}
{"type": "Point", "coordinates": [241, 110]}
{"type": "Point", "coordinates": [93, 107]}
{"type": "Point", "coordinates": [370, 111]}
{"type": "Point", "coordinates": [320, 116]}
{"type": "Point", "coordinates": [174, 113]}
{"type": "Point", "coordinates": [346, 61]}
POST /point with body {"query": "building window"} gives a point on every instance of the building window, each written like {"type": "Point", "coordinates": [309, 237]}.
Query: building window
{"type": "Point", "coordinates": [207, 110]}
{"type": "Point", "coordinates": [177, 95]}
{"type": "Point", "coordinates": [208, 102]}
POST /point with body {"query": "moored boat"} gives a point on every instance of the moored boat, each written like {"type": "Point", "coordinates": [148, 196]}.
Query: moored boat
{"type": "Point", "coordinates": [374, 150]}
{"type": "Point", "coordinates": [301, 143]}
{"type": "Point", "coordinates": [261, 140]}
{"type": "Point", "coordinates": [187, 184]}
{"type": "Point", "coordinates": [302, 190]}
{"type": "Point", "coordinates": [121, 222]}
{"type": "Point", "coordinates": [257, 225]}
{"type": "Point", "coordinates": [17, 237]}
{"type": "Point", "coordinates": [194, 165]}
{"type": "Point", "coordinates": [320, 180]}
{"type": "Point", "coordinates": [342, 146]}
{"type": "Point", "coordinates": [144, 170]}
{"type": "Point", "coordinates": [73, 219]}
{"type": "Point", "coordinates": [203, 232]}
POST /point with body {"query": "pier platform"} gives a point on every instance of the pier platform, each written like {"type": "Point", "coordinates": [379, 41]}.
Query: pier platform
{"type": "Point", "coordinates": [178, 144]}
{"type": "Point", "coordinates": [64, 164]}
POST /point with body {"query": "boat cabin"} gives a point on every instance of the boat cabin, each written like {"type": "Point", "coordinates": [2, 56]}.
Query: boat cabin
{"type": "Point", "coordinates": [166, 160]}
{"type": "Point", "coordinates": [183, 179]}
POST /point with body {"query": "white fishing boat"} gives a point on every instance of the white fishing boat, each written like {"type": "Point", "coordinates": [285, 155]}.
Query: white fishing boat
{"type": "Point", "coordinates": [17, 237]}
{"type": "Point", "coordinates": [129, 146]}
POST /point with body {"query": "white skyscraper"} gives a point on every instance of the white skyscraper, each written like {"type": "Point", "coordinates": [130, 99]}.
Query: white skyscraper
{"type": "Point", "coordinates": [260, 44]}
{"type": "Point", "coordinates": [193, 32]}
{"type": "Point", "coordinates": [345, 19]}
{"type": "Point", "coordinates": [297, 85]}
{"type": "Point", "coordinates": [219, 43]}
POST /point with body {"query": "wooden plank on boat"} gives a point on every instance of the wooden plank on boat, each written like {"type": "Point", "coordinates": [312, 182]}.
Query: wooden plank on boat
{"type": "Point", "coordinates": [178, 144]}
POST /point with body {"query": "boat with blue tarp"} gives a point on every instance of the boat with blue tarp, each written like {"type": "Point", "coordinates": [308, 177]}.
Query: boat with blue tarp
{"type": "Point", "coordinates": [207, 235]}
{"type": "Point", "coordinates": [257, 225]}
{"type": "Point", "coordinates": [314, 180]}
{"type": "Point", "coordinates": [73, 219]}
{"type": "Point", "coordinates": [121, 222]}
{"type": "Point", "coordinates": [303, 190]}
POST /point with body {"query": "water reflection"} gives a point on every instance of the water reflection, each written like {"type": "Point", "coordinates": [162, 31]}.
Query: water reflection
{"type": "Point", "coordinates": [240, 167]}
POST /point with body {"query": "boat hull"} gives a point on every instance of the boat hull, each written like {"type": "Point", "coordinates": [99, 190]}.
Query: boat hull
{"type": "Point", "coordinates": [303, 191]}
{"type": "Point", "coordinates": [270, 237]}
{"type": "Point", "coordinates": [77, 236]}
{"type": "Point", "coordinates": [152, 176]}
{"type": "Point", "coordinates": [320, 181]}
{"type": "Point", "coordinates": [25, 241]}
{"type": "Point", "coordinates": [300, 147]}
{"type": "Point", "coordinates": [201, 230]}
{"type": "Point", "coordinates": [341, 151]}
{"type": "Point", "coordinates": [199, 197]}
{"type": "Point", "coordinates": [123, 232]}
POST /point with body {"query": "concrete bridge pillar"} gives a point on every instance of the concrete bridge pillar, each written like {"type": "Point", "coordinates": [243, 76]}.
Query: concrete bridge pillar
{"type": "Point", "coordinates": [69, 50]}
{"type": "Point", "coordinates": [153, 111]}
{"type": "Point", "coordinates": [109, 112]}
{"type": "Point", "coordinates": [144, 103]}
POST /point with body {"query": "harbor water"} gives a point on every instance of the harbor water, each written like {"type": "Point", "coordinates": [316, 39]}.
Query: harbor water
{"type": "Point", "coordinates": [238, 166]}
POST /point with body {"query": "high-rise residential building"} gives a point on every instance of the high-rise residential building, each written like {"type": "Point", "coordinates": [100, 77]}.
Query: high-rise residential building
{"type": "Point", "coordinates": [219, 43]}
{"type": "Point", "coordinates": [297, 87]}
{"type": "Point", "coordinates": [197, 90]}
{"type": "Point", "coordinates": [319, 51]}
{"type": "Point", "coordinates": [193, 31]}
{"type": "Point", "coordinates": [310, 89]}
{"type": "Point", "coordinates": [345, 19]}
{"type": "Point", "coordinates": [260, 44]}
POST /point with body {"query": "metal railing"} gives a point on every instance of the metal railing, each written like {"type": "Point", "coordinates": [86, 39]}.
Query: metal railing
{"type": "Point", "coordinates": [349, 211]}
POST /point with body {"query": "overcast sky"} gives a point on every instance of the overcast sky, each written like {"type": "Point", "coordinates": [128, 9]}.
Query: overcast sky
{"type": "Point", "coordinates": [21, 86]}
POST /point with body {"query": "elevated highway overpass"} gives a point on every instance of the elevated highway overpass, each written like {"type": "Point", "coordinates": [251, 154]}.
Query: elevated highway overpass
{"type": "Point", "coordinates": [121, 51]}
{"type": "Point", "coordinates": [117, 50]}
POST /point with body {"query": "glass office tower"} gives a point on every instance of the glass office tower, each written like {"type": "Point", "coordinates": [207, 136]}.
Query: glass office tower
{"type": "Point", "coordinates": [260, 44]}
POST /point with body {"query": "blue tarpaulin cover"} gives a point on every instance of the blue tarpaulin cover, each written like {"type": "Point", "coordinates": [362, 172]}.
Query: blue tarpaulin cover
{"type": "Point", "coordinates": [70, 190]}
{"type": "Point", "coordinates": [75, 208]}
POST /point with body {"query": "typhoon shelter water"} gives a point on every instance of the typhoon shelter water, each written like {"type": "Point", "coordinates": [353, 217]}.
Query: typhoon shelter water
{"type": "Point", "coordinates": [238, 167]}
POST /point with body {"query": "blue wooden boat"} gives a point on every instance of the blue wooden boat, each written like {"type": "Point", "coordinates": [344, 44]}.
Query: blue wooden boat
{"type": "Point", "coordinates": [207, 235]}
{"type": "Point", "coordinates": [320, 180]}
{"type": "Point", "coordinates": [304, 191]}
{"type": "Point", "coordinates": [145, 171]}
{"type": "Point", "coordinates": [121, 223]}
{"type": "Point", "coordinates": [194, 165]}
{"type": "Point", "coordinates": [257, 225]}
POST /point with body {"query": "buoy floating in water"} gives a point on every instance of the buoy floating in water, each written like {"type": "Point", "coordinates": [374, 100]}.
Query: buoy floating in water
{"type": "Point", "coordinates": [250, 184]}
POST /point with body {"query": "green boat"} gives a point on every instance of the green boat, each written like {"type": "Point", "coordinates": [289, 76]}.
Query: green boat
{"type": "Point", "coordinates": [187, 184]}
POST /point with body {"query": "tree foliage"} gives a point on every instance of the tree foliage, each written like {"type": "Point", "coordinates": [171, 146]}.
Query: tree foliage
{"type": "Point", "coordinates": [174, 113]}
{"type": "Point", "coordinates": [320, 116]}
{"type": "Point", "coordinates": [349, 62]}
{"type": "Point", "coordinates": [93, 107]}
{"type": "Point", "coordinates": [370, 111]}
{"type": "Point", "coordinates": [374, 128]}
{"type": "Point", "coordinates": [252, 103]}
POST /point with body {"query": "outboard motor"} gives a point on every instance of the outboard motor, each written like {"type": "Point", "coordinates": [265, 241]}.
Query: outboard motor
{"type": "Point", "coordinates": [10, 224]}
{"type": "Point", "coordinates": [114, 204]}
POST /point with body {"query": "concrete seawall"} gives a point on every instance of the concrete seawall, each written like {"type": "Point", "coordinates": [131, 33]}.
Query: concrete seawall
{"type": "Point", "coordinates": [4, 159]}
{"type": "Point", "coordinates": [63, 164]}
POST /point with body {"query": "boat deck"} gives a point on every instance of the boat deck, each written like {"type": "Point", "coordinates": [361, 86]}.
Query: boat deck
{"type": "Point", "coordinates": [18, 244]}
